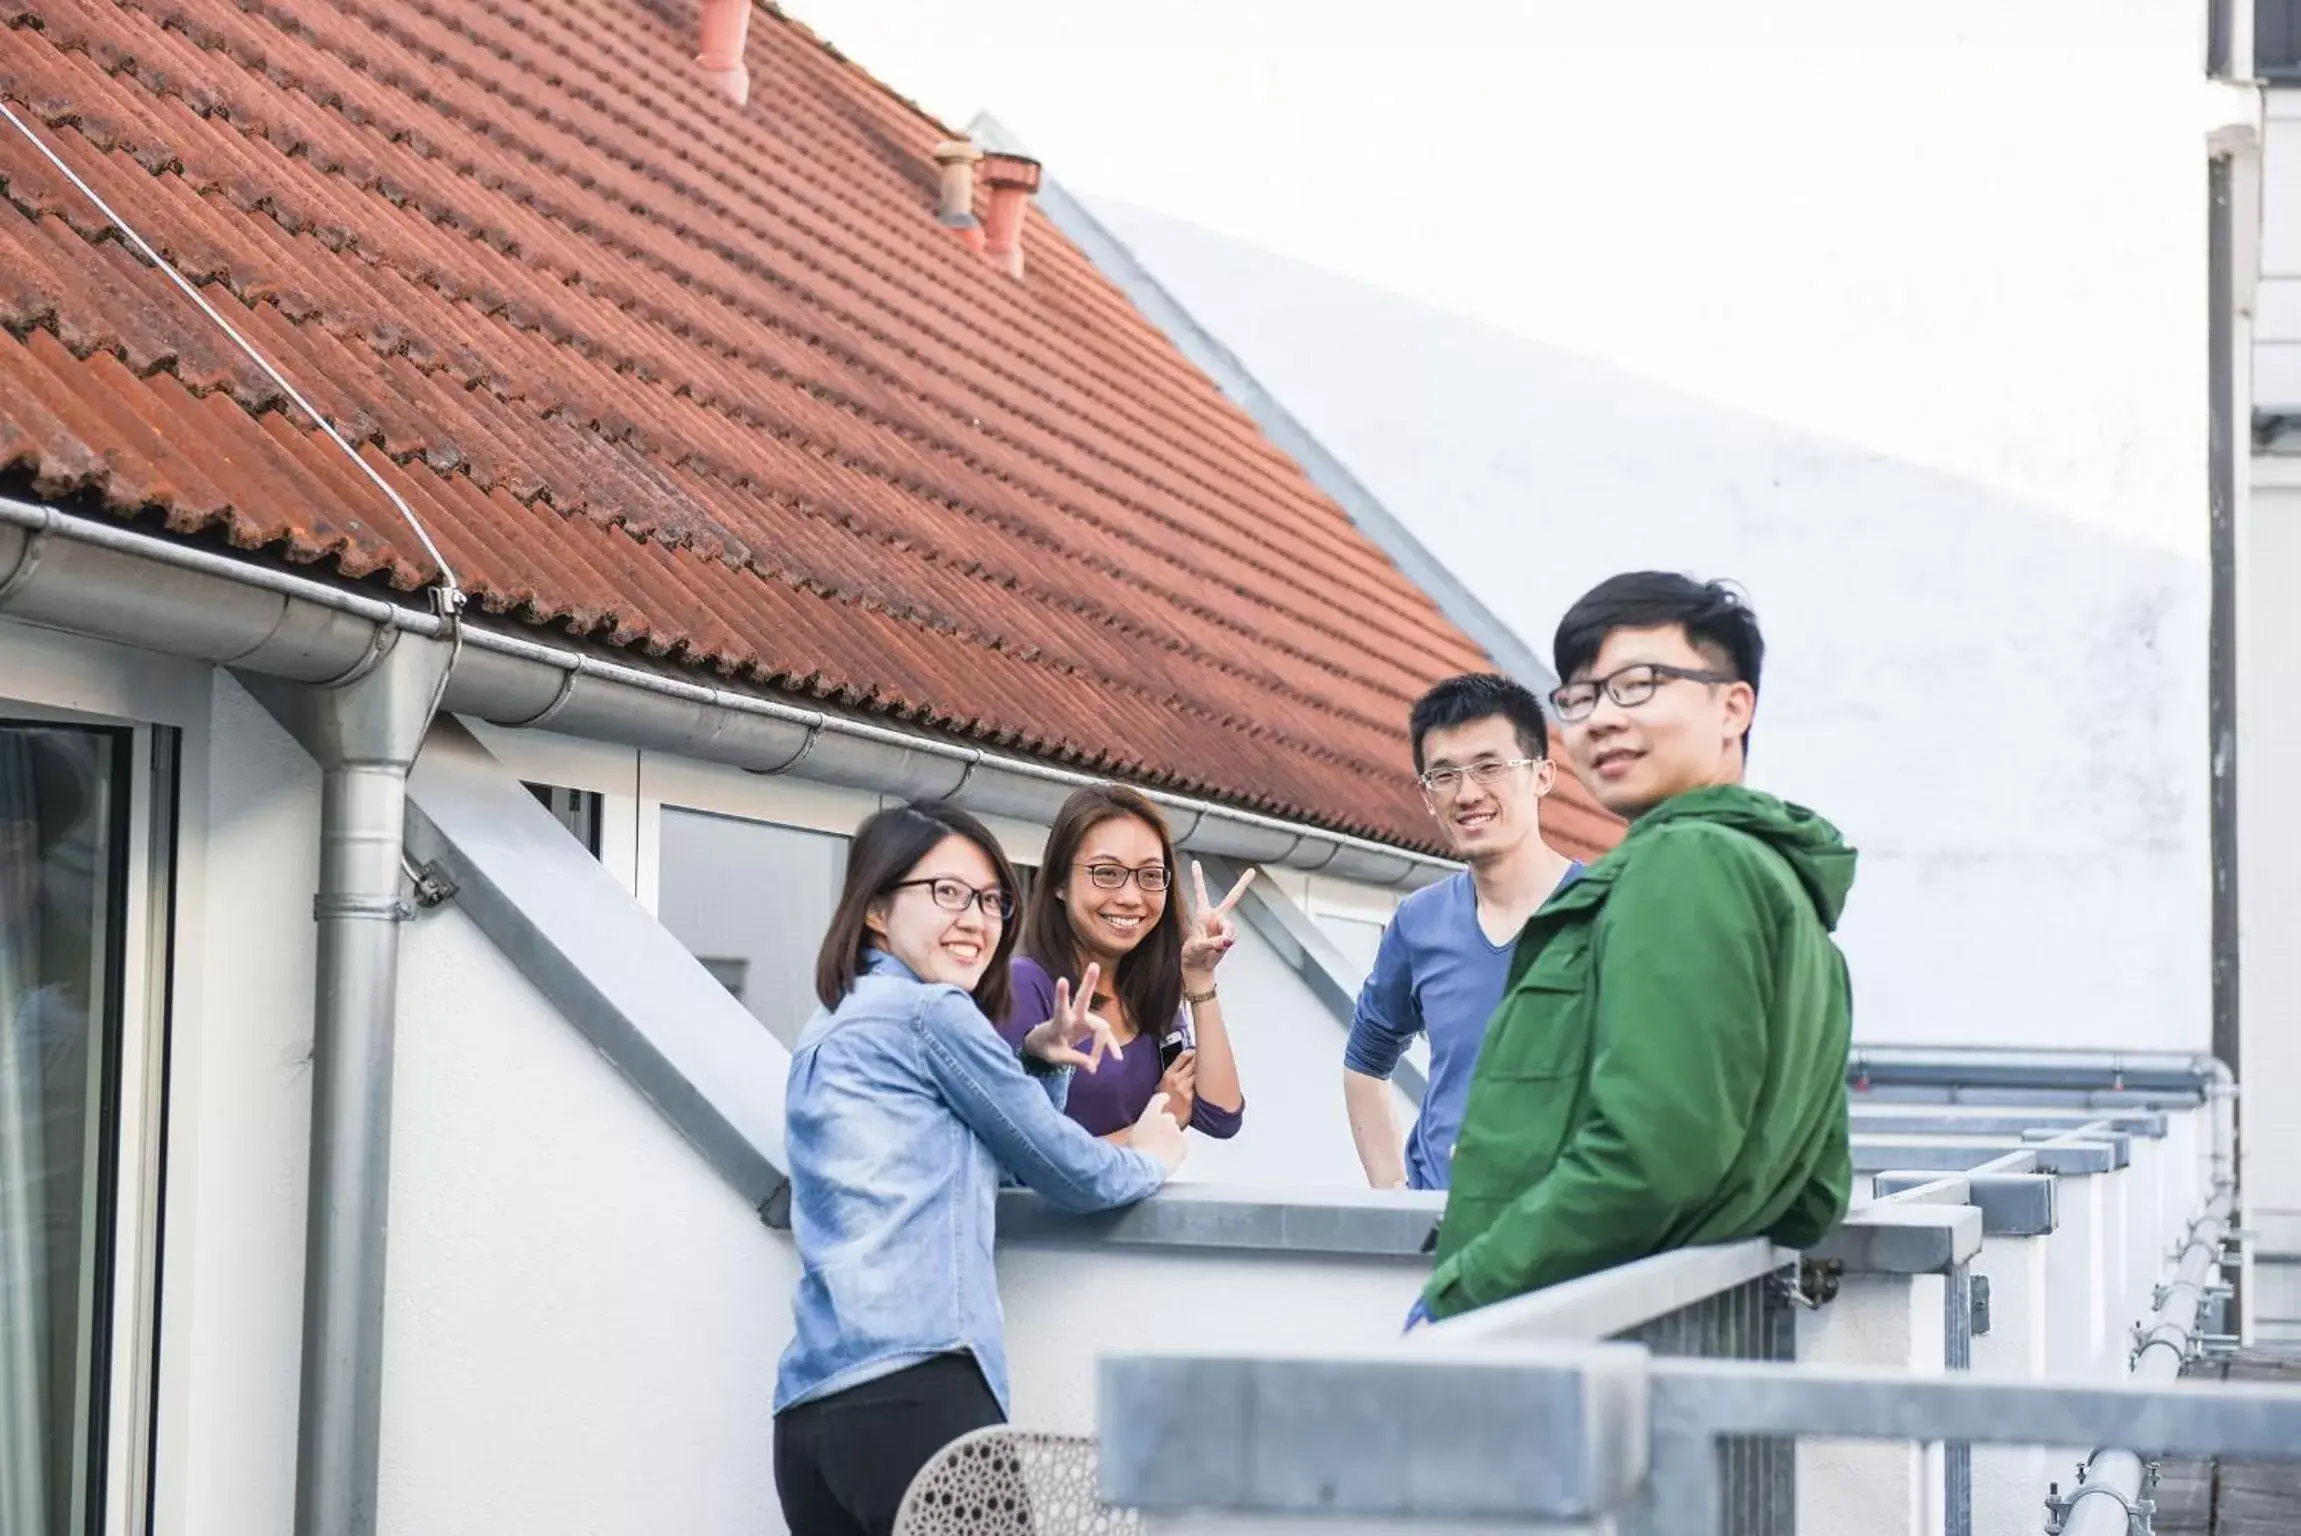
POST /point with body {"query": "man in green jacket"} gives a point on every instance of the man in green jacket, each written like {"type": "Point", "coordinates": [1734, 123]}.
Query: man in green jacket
{"type": "Point", "coordinates": [1667, 1066]}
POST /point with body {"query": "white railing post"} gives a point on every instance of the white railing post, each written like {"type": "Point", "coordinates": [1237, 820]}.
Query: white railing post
{"type": "Point", "coordinates": [1889, 1312]}
{"type": "Point", "coordinates": [2011, 1332]}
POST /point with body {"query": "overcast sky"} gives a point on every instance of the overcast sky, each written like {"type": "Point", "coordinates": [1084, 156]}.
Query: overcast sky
{"type": "Point", "coordinates": [1374, 140]}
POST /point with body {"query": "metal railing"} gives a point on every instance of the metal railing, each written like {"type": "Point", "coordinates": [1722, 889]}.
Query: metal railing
{"type": "Point", "coordinates": [1756, 1320]}
{"type": "Point", "coordinates": [1672, 1394]}
{"type": "Point", "coordinates": [1730, 1303]}
{"type": "Point", "coordinates": [1583, 1434]}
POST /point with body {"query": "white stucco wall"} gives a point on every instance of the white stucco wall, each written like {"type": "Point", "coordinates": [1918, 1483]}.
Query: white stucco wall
{"type": "Point", "coordinates": [1289, 1052]}
{"type": "Point", "coordinates": [2269, 735]}
{"type": "Point", "coordinates": [1780, 316]}
{"type": "Point", "coordinates": [583, 1321]}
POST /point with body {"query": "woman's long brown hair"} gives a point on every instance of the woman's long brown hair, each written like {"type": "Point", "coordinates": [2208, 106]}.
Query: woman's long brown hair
{"type": "Point", "coordinates": [1149, 979]}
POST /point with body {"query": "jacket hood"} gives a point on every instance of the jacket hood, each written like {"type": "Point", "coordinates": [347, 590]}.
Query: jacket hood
{"type": "Point", "coordinates": [1825, 865]}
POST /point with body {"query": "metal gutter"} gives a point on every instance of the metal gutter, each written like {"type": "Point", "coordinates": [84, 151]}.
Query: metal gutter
{"type": "Point", "coordinates": [1207, 353]}
{"type": "Point", "coordinates": [111, 582]}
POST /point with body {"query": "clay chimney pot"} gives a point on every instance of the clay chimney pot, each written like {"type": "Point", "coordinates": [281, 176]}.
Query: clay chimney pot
{"type": "Point", "coordinates": [958, 158]}
{"type": "Point", "coordinates": [1012, 180]}
{"type": "Point", "coordinates": [722, 28]}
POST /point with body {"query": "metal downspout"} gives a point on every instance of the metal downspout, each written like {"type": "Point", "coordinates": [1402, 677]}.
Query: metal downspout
{"type": "Point", "coordinates": [365, 734]}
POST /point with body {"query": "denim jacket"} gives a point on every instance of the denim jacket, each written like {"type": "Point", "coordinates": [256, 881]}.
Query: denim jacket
{"type": "Point", "coordinates": [903, 1107]}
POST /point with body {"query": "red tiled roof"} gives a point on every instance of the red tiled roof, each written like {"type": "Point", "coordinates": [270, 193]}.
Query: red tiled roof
{"type": "Point", "coordinates": [707, 383]}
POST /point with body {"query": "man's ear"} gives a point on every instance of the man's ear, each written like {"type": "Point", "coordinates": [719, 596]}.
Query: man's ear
{"type": "Point", "coordinates": [1741, 708]}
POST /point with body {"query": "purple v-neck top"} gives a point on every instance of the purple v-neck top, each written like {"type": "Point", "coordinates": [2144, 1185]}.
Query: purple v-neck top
{"type": "Point", "coordinates": [1110, 1098]}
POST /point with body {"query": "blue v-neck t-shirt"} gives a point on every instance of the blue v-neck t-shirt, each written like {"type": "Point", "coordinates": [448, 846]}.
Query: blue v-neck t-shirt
{"type": "Point", "coordinates": [1438, 974]}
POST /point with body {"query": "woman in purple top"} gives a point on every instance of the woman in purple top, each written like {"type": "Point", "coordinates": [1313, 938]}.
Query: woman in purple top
{"type": "Point", "coordinates": [1105, 897]}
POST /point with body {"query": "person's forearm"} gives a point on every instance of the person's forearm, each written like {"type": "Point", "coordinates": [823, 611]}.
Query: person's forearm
{"type": "Point", "coordinates": [1217, 1068]}
{"type": "Point", "coordinates": [1373, 1127]}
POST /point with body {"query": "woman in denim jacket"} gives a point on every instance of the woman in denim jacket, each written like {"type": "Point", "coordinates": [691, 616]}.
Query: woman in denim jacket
{"type": "Point", "coordinates": [904, 1105]}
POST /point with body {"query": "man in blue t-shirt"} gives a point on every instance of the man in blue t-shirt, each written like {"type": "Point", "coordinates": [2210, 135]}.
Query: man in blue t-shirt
{"type": "Point", "coordinates": [1481, 751]}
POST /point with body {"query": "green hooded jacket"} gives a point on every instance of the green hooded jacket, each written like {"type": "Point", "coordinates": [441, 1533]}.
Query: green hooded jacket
{"type": "Point", "coordinates": [1667, 1065]}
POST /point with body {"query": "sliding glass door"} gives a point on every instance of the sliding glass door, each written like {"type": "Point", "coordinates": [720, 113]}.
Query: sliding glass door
{"type": "Point", "coordinates": [64, 802]}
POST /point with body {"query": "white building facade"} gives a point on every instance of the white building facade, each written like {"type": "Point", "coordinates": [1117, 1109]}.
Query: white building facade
{"type": "Point", "coordinates": [1961, 459]}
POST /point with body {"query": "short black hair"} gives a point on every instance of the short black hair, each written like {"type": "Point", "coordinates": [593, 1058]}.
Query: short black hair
{"type": "Point", "coordinates": [1480, 696]}
{"type": "Point", "coordinates": [1717, 620]}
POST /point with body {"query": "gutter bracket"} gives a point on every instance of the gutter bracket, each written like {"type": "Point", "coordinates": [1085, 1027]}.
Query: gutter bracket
{"type": "Point", "coordinates": [35, 544]}
{"type": "Point", "coordinates": [806, 745]}
{"type": "Point", "coordinates": [558, 702]}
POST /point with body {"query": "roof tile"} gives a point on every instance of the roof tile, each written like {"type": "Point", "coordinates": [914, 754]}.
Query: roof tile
{"type": "Point", "coordinates": [712, 385]}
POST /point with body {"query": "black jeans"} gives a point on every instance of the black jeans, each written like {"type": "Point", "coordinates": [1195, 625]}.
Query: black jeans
{"type": "Point", "coordinates": [843, 1462]}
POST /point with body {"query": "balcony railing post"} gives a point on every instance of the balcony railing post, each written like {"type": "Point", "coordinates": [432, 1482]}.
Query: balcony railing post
{"type": "Point", "coordinates": [1890, 1311]}
{"type": "Point", "coordinates": [2019, 1219]}
{"type": "Point", "coordinates": [2078, 1343]}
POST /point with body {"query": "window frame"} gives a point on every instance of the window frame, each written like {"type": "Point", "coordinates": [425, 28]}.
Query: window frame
{"type": "Point", "coordinates": [118, 1357]}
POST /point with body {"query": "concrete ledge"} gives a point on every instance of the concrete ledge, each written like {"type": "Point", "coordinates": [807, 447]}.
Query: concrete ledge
{"type": "Point", "coordinates": [2011, 1204]}
{"type": "Point", "coordinates": [1911, 1121]}
{"type": "Point", "coordinates": [1981, 1066]}
{"type": "Point", "coordinates": [1431, 1433]}
{"type": "Point", "coordinates": [2102, 1100]}
{"type": "Point", "coordinates": [1882, 1154]}
{"type": "Point", "coordinates": [2119, 1143]}
{"type": "Point", "coordinates": [1359, 1223]}
{"type": "Point", "coordinates": [1903, 1239]}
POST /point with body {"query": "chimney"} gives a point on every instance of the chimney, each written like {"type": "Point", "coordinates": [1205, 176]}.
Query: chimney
{"type": "Point", "coordinates": [1012, 178]}
{"type": "Point", "coordinates": [723, 25]}
{"type": "Point", "coordinates": [957, 157]}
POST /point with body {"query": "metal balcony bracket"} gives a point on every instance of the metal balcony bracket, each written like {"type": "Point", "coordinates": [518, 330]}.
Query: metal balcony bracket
{"type": "Point", "coordinates": [1815, 1285]}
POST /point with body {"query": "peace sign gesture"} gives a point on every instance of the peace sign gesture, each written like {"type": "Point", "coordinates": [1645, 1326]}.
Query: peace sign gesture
{"type": "Point", "coordinates": [1074, 1036]}
{"type": "Point", "coordinates": [1208, 928]}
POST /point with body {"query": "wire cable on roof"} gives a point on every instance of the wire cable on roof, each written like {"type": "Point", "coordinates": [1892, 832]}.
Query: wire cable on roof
{"type": "Point", "coordinates": [447, 592]}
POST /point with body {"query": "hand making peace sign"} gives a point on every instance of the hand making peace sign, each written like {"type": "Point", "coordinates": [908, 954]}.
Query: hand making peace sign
{"type": "Point", "coordinates": [1074, 1036]}
{"type": "Point", "coordinates": [1208, 928]}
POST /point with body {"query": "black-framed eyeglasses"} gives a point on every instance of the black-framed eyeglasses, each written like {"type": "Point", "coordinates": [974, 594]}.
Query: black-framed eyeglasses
{"type": "Point", "coordinates": [1630, 687]}
{"type": "Point", "coordinates": [1113, 877]}
{"type": "Point", "coordinates": [1485, 774]}
{"type": "Point", "coordinates": [956, 896]}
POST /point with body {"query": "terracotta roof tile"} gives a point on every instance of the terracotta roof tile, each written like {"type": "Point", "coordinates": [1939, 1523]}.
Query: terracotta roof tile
{"type": "Point", "coordinates": [709, 384]}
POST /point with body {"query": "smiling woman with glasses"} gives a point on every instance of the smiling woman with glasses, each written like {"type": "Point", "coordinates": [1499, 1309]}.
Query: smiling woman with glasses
{"type": "Point", "coordinates": [1106, 904]}
{"type": "Point", "coordinates": [903, 1108]}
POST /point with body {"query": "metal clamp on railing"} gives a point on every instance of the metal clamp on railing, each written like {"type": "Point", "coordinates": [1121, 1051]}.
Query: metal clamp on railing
{"type": "Point", "coordinates": [2137, 1510]}
{"type": "Point", "coordinates": [1813, 1285]}
{"type": "Point", "coordinates": [2183, 1343]}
